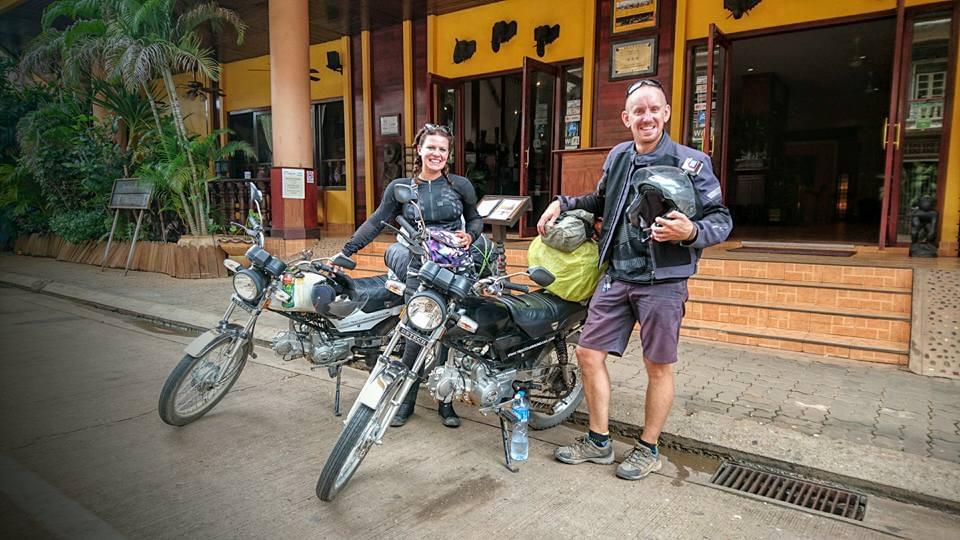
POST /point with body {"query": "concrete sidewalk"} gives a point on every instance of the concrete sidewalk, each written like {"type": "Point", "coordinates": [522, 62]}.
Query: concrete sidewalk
{"type": "Point", "coordinates": [867, 426]}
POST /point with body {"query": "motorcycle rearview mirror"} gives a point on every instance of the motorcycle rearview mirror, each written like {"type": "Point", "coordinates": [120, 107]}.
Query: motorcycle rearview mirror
{"type": "Point", "coordinates": [541, 276]}
{"type": "Point", "coordinates": [255, 194]}
{"type": "Point", "coordinates": [404, 193]}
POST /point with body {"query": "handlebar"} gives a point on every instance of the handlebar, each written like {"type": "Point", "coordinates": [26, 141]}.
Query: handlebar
{"type": "Point", "coordinates": [405, 225]}
{"type": "Point", "coordinates": [515, 286]}
{"type": "Point", "coordinates": [344, 262]}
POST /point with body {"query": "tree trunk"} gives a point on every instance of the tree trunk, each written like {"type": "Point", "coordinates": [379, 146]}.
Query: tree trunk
{"type": "Point", "coordinates": [200, 220]}
{"type": "Point", "coordinates": [153, 107]}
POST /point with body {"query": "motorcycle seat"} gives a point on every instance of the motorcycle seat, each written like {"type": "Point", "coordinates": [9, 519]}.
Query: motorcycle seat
{"type": "Point", "coordinates": [377, 295]}
{"type": "Point", "coordinates": [540, 313]}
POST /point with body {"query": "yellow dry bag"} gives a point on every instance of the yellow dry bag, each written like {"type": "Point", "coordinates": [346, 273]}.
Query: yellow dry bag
{"type": "Point", "coordinates": [576, 272]}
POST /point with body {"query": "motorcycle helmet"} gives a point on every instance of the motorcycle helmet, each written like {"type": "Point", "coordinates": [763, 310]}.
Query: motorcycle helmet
{"type": "Point", "coordinates": [659, 191]}
{"type": "Point", "coordinates": [337, 298]}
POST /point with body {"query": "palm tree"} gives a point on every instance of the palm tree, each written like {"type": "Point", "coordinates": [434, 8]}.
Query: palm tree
{"type": "Point", "coordinates": [172, 174]}
{"type": "Point", "coordinates": [147, 39]}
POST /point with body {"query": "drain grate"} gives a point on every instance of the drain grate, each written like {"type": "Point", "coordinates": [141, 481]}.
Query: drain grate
{"type": "Point", "coordinates": [801, 493]}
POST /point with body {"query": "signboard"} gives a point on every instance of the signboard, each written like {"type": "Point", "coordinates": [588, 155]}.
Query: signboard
{"type": "Point", "coordinates": [629, 15]}
{"type": "Point", "coordinates": [502, 209]}
{"type": "Point", "coordinates": [632, 59]}
{"type": "Point", "coordinates": [294, 183]}
{"type": "Point", "coordinates": [130, 193]}
{"type": "Point", "coordinates": [390, 124]}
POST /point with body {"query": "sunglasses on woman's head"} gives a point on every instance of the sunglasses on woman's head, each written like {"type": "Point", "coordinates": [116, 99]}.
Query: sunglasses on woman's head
{"type": "Point", "coordinates": [641, 83]}
{"type": "Point", "coordinates": [436, 127]}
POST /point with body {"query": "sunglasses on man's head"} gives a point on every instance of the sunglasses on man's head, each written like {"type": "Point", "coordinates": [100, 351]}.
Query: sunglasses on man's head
{"type": "Point", "coordinates": [641, 83]}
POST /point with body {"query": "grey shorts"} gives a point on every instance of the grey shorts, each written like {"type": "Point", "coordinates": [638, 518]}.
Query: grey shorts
{"type": "Point", "coordinates": [615, 309]}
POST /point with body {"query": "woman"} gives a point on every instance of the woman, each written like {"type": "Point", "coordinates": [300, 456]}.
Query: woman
{"type": "Point", "coordinates": [449, 203]}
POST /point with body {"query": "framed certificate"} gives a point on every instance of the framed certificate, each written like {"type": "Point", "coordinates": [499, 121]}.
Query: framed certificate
{"type": "Point", "coordinates": [630, 15]}
{"type": "Point", "coordinates": [633, 59]}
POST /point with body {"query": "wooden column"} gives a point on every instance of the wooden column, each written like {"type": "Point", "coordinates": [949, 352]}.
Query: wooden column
{"type": "Point", "coordinates": [293, 218]}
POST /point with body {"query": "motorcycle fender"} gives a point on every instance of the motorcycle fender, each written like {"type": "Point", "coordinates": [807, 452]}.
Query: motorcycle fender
{"type": "Point", "coordinates": [205, 341]}
{"type": "Point", "coordinates": [373, 391]}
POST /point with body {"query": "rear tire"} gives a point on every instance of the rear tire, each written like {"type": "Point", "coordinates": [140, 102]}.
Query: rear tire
{"type": "Point", "coordinates": [351, 447]}
{"type": "Point", "coordinates": [195, 386]}
{"type": "Point", "coordinates": [560, 399]}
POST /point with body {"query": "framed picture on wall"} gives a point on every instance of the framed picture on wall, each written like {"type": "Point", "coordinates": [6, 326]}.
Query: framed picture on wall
{"type": "Point", "coordinates": [633, 59]}
{"type": "Point", "coordinates": [630, 15]}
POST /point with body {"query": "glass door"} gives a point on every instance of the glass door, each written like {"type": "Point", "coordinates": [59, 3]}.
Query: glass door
{"type": "Point", "coordinates": [539, 103]}
{"type": "Point", "coordinates": [891, 136]}
{"type": "Point", "coordinates": [715, 113]}
{"type": "Point", "coordinates": [919, 148]}
{"type": "Point", "coordinates": [446, 108]}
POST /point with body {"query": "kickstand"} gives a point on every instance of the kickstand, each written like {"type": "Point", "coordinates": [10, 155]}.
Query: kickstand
{"type": "Point", "coordinates": [336, 398]}
{"type": "Point", "coordinates": [506, 415]}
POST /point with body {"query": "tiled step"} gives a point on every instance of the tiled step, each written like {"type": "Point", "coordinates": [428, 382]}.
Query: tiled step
{"type": "Point", "coordinates": [872, 350]}
{"type": "Point", "coordinates": [893, 279]}
{"type": "Point", "coordinates": [794, 320]}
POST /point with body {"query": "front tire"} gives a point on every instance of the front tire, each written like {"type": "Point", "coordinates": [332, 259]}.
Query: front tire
{"type": "Point", "coordinates": [197, 384]}
{"type": "Point", "coordinates": [559, 396]}
{"type": "Point", "coordinates": [352, 446]}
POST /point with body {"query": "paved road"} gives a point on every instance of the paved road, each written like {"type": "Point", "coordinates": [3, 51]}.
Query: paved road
{"type": "Point", "coordinates": [83, 454]}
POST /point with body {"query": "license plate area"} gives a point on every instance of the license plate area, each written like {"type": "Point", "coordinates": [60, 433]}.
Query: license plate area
{"type": "Point", "coordinates": [241, 304]}
{"type": "Point", "coordinates": [413, 336]}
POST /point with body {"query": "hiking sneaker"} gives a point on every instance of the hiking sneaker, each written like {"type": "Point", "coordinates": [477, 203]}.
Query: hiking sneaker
{"type": "Point", "coordinates": [639, 463]}
{"type": "Point", "coordinates": [584, 450]}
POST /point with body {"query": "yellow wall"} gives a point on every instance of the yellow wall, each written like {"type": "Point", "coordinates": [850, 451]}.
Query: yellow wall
{"type": "Point", "coordinates": [247, 85]}
{"type": "Point", "coordinates": [247, 82]}
{"type": "Point", "coordinates": [477, 24]}
{"type": "Point", "coordinates": [339, 203]}
{"type": "Point", "coordinates": [772, 13]}
{"type": "Point", "coordinates": [196, 112]}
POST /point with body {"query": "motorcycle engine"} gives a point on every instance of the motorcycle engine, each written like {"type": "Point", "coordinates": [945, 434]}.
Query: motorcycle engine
{"type": "Point", "coordinates": [469, 381]}
{"type": "Point", "coordinates": [316, 348]}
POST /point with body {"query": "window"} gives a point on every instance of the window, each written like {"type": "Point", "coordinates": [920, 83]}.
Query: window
{"type": "Point", "coordinates": [572, 95]}
{"type": "Point", "coordinates": [256, 128]}
{"type": "Point", "coordinates": [329, 145]}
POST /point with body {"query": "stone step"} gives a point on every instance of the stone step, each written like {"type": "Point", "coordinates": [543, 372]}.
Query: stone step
{"type": "Point", "coordinates": [871, 350]}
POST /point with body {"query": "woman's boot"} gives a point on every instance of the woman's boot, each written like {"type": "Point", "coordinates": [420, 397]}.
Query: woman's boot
{"type": "Point", "coordinates": [448, 415]}
{"type": "Point", "coordinates": [405, 411]}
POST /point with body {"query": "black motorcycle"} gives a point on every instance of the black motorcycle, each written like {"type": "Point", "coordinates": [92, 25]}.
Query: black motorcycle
{"type": "Point", "coordinates": [498, 344]}
{"type": "Point", "coordinates": [333, 320]}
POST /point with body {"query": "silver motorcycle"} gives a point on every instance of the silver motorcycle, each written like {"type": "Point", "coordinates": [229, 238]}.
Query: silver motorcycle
{"type": "Point", "coordinates": [333, 319]}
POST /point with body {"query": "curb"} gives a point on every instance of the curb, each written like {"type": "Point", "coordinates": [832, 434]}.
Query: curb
{"type": "Point", "coordinates": [930, 482]}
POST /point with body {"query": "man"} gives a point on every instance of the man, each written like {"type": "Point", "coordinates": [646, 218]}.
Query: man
{"type": "Point", "coordinates": [647, 278]}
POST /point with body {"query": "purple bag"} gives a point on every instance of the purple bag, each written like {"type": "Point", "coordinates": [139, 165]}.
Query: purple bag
{"type": "Point", "coordinates": [445, 250]}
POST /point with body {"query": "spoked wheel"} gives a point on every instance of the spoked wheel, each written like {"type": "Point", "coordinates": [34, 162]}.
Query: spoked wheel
{"type": "Point", "coordinates": [197, 384]}
{"type": "Point", "coordinates": [560, 388]}
{"type": "Point", "coordinates": [352, 446]}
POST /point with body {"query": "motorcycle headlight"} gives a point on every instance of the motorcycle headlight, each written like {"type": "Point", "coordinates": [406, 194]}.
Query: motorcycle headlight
{"type": "Point", "coordinates": [425, 312]}
{"type": "Point", "coordinates": [248, 285]}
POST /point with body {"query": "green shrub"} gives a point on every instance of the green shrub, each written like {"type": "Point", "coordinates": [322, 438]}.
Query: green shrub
{"type": "Point", "coordinates": [80, 225]}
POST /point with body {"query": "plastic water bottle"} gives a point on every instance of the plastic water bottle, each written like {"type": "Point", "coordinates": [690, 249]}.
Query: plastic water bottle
{"type": "Point", "coordinates": [519, 445]}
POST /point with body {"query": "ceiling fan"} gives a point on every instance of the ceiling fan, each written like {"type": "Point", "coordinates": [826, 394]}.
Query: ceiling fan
{"type": "Point", "coordinates": [195, 89]}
